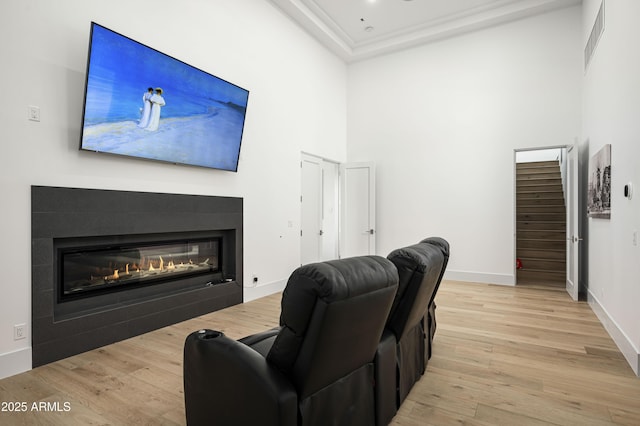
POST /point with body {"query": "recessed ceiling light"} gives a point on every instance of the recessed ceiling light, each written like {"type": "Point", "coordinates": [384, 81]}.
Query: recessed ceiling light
{"type": "Point", "coordinates": [368, 28]}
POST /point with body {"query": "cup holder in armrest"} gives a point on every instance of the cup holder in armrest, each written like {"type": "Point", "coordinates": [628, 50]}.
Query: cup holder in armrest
{"type": "Point", "coordinates": [209, 334]}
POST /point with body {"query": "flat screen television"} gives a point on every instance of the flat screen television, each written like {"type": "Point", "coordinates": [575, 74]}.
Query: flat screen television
{"type": "Point", "coordinates": [142, 103]}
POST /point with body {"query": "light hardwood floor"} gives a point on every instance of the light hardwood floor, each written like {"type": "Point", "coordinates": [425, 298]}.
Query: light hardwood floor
{"type": "Point", "coordinates": [523, 355]}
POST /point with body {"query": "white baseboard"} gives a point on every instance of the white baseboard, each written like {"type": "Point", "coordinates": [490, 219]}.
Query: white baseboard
{"type": "Point", "coordinates": [630, 352]}
{"type": "Point", "coordinates": [252, 293]}
{"type": "Point", "coordinates": [480, 277]}
{"type": "Point", "coordinates": [12, 363]}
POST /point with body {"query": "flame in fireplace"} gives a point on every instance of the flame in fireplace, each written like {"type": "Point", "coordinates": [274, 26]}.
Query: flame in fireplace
{"type": "Point", "coordinates": [112, 277]}
{"type": "Point", "coordinates": [138, 269]}
{"type": "Point", "coordinates": [138, 265]}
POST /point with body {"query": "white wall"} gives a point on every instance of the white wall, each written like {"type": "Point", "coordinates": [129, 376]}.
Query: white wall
{"type": "Point", "coordinates": [442, 121]}
{"type": "Point", "coordinates": [611, 111]}
{"type": "Point", "coordinates": [538, 155]}
{"type": "Point", "coordinates": [297, 103]}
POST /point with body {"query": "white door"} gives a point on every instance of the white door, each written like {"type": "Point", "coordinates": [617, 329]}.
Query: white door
{"type": "Point", "coordinates": [357, 209]}
{"type": "Point", "coordinates": [311, 210]}
{"type": "Point", "coordinates": [573, 229]}
{"type": "Point", "coordinates": [330, 210]}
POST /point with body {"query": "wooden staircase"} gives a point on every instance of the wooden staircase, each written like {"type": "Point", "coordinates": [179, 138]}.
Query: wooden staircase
{"type": "Point", "coordinates": [540, 223]}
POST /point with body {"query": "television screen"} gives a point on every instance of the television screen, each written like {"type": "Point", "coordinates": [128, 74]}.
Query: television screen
{"type": "Point", "coordinates": [142, 103]}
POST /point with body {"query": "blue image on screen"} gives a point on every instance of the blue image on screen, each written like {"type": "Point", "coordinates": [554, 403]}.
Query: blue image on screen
{"type": "Point", "coordinates": [188, 117]}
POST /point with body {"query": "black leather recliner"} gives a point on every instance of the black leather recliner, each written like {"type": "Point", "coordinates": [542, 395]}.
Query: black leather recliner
{"type": "Point", "coordinates": [315, 369]}
{"type": "Point", "coordinates": [430, 319]}
{"type": "Point", "coordinates": [404, 349]}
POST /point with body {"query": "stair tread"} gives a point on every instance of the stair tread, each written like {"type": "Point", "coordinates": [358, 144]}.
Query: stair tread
{"type": "Point", "coordinates": [527, 189]}
{"type": "Point", "coordinates": [558, 255]}
{"type": "Point", "coordinates": [538, 167]}
{"type": "Point", "coordinates": [562, 250]}
{"type": "Point", "coordinates": [540, 192]}
{"type": "Point", "coordinates": [543, 259]}
{"type": "Point", "coordinates": [542, 202]}
{"type": "Point", "coordinates": [545, 271]}
{"type": "Point", "coordinates": [541, 240]}
{"type": "Point", "coordinates": [540, 221]}
{"type": "Point", "coordinates": [541, 214]}
{"type": "Point", "coordinates": [538, 182]}
{"type": "Point", "coordinates": [542, 271]}
{"type": "Point", "coordinates": [533, 176]}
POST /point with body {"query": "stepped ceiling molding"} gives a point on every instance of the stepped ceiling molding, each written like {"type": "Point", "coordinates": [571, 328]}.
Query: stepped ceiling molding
{"type": "Point", "coordinates": [361, 29]}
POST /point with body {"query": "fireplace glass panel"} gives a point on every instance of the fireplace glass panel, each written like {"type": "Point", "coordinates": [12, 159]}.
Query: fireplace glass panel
{"type": "Point", "coordinates": [117, 267]}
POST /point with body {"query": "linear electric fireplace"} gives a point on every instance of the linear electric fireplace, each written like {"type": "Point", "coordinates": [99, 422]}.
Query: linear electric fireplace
{"type": "Point", "coordinates": [89, 270]}
{"type": "Point", "coordinates": [108, 265]}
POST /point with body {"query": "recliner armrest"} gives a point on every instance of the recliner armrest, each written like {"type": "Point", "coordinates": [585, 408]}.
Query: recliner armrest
{"type": "Point", "coordinates": [261, 341]}
{"type": "Point", "coordinates": [228, 383]}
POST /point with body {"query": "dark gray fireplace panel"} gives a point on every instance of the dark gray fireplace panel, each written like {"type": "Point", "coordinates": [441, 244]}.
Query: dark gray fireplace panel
{"type": "Point", "coordinates": [63, 329]}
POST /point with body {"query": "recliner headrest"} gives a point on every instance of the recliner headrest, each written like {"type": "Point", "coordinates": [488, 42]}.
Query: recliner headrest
{"type": "Point", "coordinates": [419, 268]}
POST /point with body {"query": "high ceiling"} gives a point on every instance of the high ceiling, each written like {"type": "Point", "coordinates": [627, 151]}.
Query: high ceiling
{"type": "Point", "coordinates": [359, 29]}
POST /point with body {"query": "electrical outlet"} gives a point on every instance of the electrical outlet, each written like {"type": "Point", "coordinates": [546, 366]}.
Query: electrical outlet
{"type": "Point", "coordinates": [33, 113]}
{"type": "Point", "coordinates": [19, 331]}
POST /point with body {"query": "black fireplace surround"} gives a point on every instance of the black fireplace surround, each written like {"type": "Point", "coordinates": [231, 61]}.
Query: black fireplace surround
{"type": "Point", "coordinates": [109, 265]}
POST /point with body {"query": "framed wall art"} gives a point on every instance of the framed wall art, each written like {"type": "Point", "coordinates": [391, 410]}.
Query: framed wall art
{"type": "Point", "coordinates": [599, 186]}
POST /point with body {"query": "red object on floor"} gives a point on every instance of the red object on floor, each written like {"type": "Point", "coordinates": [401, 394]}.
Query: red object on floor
{"type": "Point", "coordinates": [518, 264]}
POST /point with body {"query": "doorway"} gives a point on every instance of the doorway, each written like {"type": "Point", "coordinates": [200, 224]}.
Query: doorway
{"type": "Point", "coordinates": [319, 209]}
{"type": "Point", "coordinates": [541, 217]}
{"type": "Point", "coordinates": [337, 209]}
{"type": "Point", "coordinates": [548, 217]}
{"type": "Point", "coordinates": [357, 209]}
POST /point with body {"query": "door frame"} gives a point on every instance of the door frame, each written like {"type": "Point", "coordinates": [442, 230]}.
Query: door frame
{"type": "Point", "coordinates": [573, 234]}
{"type": "Point", "coordinates": [515, 199]}
{"type": "Point", "coordinates": [310, 205]}
{"type": "Point", "coordinates": [370, 227]}
{"type": "Point", "coordinates": [322, 247]}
